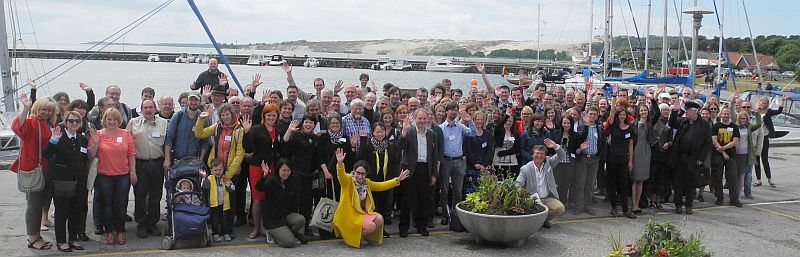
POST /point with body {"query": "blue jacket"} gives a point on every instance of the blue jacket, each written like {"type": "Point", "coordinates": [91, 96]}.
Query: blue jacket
{"type": "Point", "coordinates": [180, 135]}
{"type": "Point", "coordinates": [529, 140]}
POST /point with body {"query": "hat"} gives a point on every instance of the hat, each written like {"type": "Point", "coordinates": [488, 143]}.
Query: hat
{"type": "Point", "coordinates": [218, 89]}
{"type": "Point", "coordinates": [691, 104]}
{"type": "Point", "coordinates": [663, 95]}
{"type": "Point", "coordinates": [194, 94]}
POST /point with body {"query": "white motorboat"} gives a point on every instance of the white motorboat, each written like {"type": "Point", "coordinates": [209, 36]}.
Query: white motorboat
{"type": "Point", "coordinates": [256, 59]}
{"type": "Point", "coordinates": [382, 64]}
{"type": "Point", "coordinates": [276, 60]}
{"type": "Point", "coordinates": [153, 58]}
{"type": "Point", "coordinates": [184, 58]}
{"type": "Point", "coordinates": [311, 62]}
{"type": "Point", "coordinates": [444, 65]}
{"type": "Point", "coordinates": [400, 64]}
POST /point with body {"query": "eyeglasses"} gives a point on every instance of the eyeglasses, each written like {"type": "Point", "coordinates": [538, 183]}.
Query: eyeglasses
{"type": "Point", "coordinates": [745, 107]}
{"type": "Point", "coordinates": [360, 173]}
{"type": "Point", "coordinates": [235, 103]}
{"type": "Point", "coordinates": [75, 121]}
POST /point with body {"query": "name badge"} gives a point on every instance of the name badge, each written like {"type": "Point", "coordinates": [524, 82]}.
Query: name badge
{"type": "Point", "coordinates": [227, 138]}
{"type": "Point", "coordinates": [575, 127]}
{"type": "Point", "coordinates": [391, 137]}
{"type": "Point", "coordinates": [730, 129]}
{"type": "Point", "coordinates": [628, 135]}
{"type": "Point", "coordinates": [83, 150]}
{"type": "Point", "coordinates": [155, 134]}
{"type": "Point", "coordinates": [452, 137]}
{"type": "Point", "coordinates": [572, 155]}
{"type": "Point", "coordinates": [511, 139]}
{"type": "Point", "coordinates": [119, 139]}
{"type": "Point", "coordinates": [483, 145]}
{"type": "Point", "coordinates": [192, 129]}
{"type": "Point", "coordinates": [342, 140]}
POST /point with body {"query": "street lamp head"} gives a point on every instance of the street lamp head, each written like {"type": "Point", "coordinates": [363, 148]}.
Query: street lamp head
{"type": "Point", "coordinates": [697, 10]}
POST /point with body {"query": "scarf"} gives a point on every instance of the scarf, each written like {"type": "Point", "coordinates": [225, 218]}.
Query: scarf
{"type": "Point", "coordinates": [379, 145]}
{"type": "Point", "coordinates": [361, 187]}
{"type": "Point", "coordinates": [335, 136]}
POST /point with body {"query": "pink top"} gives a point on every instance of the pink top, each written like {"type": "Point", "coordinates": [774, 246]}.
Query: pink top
{"type": "Point", "coordinates": [113, 153]}
{"type": "Point", "coordinates": [29, 152]}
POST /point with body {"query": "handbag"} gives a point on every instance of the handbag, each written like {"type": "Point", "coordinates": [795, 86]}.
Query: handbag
{"type": "Point", "coordinates": [702, 176]}
{"type": "Point", "coordinates": [322, 217]}
{"type": "Point", "coordinates": [32, 181]}
{"type": "Point", "coordinates": [64, 188]}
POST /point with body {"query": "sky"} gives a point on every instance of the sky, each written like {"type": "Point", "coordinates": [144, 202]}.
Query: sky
{"type": "Point", "coordinates": [256, 21]}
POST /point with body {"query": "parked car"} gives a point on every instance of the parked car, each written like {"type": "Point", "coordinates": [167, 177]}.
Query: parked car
{"type": "Point", "coordinates": [788, 74]}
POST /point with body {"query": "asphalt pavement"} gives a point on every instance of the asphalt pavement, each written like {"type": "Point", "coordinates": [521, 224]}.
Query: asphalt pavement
{"type": "Point", "coordinates": [768, 225]}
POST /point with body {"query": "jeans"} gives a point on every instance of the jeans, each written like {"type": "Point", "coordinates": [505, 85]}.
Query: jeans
{"type": "Point", "coordinates": [147, 192]}
{"type": "Point", "coordinates": [451, 172]}
{"type": "Point", "coordinates": [748, 181]}
{"type": "Point", "coordinates": [112, 192]}
{"type": "Point", "coordinates": [584, 180]}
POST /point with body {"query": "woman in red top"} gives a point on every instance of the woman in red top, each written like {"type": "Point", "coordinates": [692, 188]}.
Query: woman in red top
{"type": "Point", "coordinates": [34, 131]}
{"type": "Point", "coordinates": [262, 141]}
{"type": "Point", "coordinates": [115, 174]}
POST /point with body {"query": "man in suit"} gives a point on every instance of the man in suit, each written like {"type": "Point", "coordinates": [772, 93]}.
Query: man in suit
{"type": "Point", "coordinates": [419, 144]}
{"type": "Point", "coordinates": [537, 177]}
{"type": "Point", "coordinates": [690, 146]}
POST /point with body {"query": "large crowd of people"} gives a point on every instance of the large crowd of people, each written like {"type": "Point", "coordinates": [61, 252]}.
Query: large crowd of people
{"type": "Point", "coordinates": [384, 155]}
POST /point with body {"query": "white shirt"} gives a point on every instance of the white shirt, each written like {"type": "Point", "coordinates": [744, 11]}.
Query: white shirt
{"type": "Point", "coordinates": [422, 147]}
{"type": "Point", "coordinates": [541, 186]}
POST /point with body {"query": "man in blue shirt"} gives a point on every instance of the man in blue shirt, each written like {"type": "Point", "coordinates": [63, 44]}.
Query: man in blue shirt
{"type": "Point", "coordinates": [590, 150]}
{"type": "Point", "coordinates": [453, 167]}
{"type": "Point", "coordinates": [180, 141]}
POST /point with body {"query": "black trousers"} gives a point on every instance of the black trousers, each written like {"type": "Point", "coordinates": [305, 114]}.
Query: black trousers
{"type": "Point", "coordinates": [147, 191]}
{"type": "Point", "coordinates": [304, 195]}
{"type": "Point", "coordinates": [221, 221]}
{"type": "Point", "coordinates": [617, 184]}
{"type": "Point", "coordinates": [417, 199]}
{"type": "Point", "coordinates": [70, 215]}
{"type": "Point", "coordinates": [683, 182]}
{"type": "Point", "coordinates": [239, 199]}
{"type": "Point", "coordinates": [764, 160]}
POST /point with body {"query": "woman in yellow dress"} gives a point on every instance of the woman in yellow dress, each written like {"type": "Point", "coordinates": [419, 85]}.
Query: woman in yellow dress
{"type": "Point", "coordinates": [355, 216]}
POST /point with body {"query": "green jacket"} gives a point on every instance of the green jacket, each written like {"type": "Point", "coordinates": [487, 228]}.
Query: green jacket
{"type": "Point", "coordinates": [753, 125]}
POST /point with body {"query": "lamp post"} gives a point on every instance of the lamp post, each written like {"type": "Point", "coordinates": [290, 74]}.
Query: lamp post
{"type": "Point", "coordinates": [697, 17]}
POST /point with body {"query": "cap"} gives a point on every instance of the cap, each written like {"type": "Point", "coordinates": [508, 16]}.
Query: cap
{"type": "Point", "coordinates": [663, 95]}
{"type": "Point", "coordinates": [195, 95]}
{"type": "Point", "coordinates": [218, 89]}
{"type": "Point", "coordinates": [691, 104]}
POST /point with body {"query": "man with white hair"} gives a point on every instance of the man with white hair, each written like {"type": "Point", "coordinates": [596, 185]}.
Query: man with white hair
{"type": "Point", "coordinates": [369, 107]}
{"type": "Point", "coordinates": [413, 104]}
{"type": "Point", "coordinates": [355, 123]}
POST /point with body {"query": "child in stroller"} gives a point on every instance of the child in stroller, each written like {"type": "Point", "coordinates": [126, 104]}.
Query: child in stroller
{"type": "Point", "coordinates": [185, 185]}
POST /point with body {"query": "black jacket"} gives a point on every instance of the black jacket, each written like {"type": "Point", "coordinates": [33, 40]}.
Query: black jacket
{"type": "Point", "coordinates": [500, 134]}
{"type": "Point", "coordinates": [258, 142]}
{"type": "Point", "coordinates": [768, 120]}
{"type": "Point", "coordinates": [279, 200]}
{"type": "Point", "coordinates": [583, 132]}
{"type": "Point", "coordinates": [66, 159]}
{"type": "Point", "coordinates": [368, 154]}
{"type": "Point", "coordinates": [302, 152]}
{"type": "Point", "coordinates": [408, 144]}
{"type": "Point", "coordinates": [702, 140]}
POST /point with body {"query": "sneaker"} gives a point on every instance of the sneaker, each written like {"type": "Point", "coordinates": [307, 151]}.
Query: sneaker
{"type": "Point", "coordinates": [44, 228]}
{"type": "Point", "coordinates": [141, 232]}
{"type": "Point", "coordinates": [270, 240]}
{"type": "Point", "coordinates": [227, 238]}
{"type": "Point", "coordinates": [217, 239]}
{"type": "Point", "coordinates": [153, 230]}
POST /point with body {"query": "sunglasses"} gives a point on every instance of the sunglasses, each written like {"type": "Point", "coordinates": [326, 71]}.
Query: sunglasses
{"type": "Point", "coordinates": [746, 107]}
{"type": "Point", "coordinates": [74, 121]}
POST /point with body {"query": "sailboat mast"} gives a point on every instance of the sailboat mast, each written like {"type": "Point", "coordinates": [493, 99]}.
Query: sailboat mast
{"type": "Point", "coordinates": [753, 44]}
{"type": "Point", "coordinates": [538, 32]}
{"type": "Point", "coordinates": [607, 38]}
{"type": "Point", "coordinates": [664, 49]}
{"type": "Point", "coordinates": [591, 21]}
{"type": "Point", "coordinates": [5, 63]}
{"type": "Point", "coordinates": [647, 35]}
{"type": "Point", "coordinates": [721, 33]}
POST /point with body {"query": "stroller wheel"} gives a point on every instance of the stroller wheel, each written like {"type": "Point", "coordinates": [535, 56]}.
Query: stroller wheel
{"type": "Point", "coordinates": [167, 243]}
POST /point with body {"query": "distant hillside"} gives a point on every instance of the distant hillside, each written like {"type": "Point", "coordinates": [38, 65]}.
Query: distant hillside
{"type": "Point", "coordinates": [402, 47]}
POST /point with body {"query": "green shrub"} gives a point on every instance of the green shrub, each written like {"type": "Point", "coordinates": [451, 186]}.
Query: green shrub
{"type": "Point", "coordinates": [500, 198]}
{"type": "Point", "coordinates": [660, 240]}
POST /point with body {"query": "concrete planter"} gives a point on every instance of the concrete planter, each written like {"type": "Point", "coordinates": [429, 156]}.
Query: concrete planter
{"type": "Point", "coordinates": [510, 230]}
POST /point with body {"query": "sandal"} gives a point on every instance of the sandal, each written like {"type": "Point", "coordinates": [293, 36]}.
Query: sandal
{"type": "Point", "coordinates": [771, 184]}
{"type": "Point", "coordinates": [44, 246]}
{"type": "Point", "coordinates": [76, 246]}
{"type": "Point", "coordinates": [757, 184]}
{"type": "Point", "coordinates": [66, 250]}
{"type": "Point", "coordinates": [253, 235]}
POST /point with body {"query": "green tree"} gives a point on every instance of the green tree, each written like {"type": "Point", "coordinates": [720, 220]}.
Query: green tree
{"type": "Point", "coordinates": [787, 56]}
{"type": "Point", "coordinates": [479, 54]}
{"type": "Point", "coordinates": [770, 46]}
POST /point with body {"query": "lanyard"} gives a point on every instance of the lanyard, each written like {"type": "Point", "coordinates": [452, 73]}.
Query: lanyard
{"type": "Point", "coordinates": [385, 161]}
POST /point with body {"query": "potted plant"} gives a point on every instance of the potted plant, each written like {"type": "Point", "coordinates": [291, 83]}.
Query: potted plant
{"type": "Point", "coordinates": [660, 240]}
{"type": "Point", "coordinates": [501, 212]}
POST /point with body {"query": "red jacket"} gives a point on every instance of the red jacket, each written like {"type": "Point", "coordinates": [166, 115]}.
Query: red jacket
{"type": "Point", "coordinates": [29, 153]}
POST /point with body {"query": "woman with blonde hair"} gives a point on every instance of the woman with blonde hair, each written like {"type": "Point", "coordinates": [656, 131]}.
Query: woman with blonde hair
{"type": "Point", "coordinates": [33, 127]}
{"type": "Point", "coordinates": [116, 172]}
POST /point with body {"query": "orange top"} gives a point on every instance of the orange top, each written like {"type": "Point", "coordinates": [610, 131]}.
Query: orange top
{"type": "Point", "coordinates": [113, 153]}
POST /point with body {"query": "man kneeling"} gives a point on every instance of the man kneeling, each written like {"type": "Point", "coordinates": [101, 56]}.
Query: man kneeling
{"type": "Point", "coordinates": [537, 177]}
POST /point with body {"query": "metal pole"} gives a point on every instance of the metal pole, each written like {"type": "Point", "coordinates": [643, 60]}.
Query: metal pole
{"type": "Point", "coordinates": [214, 42]}
{"type": "Point", "coordinates": [5, 63]}
{"type": "Point", "coordinates": [721, 33]}
{"type": "Point", "coordinates": [755, 53]}
{"type": "Point", "coordinates": [606, 40]}
{"type": "Point", "coordinates": [693, 64]}
{"type": "Point", "coordinates": [538, 33]}
{"type": "Point", "coordinates": [591, 28]}
{"type": "Point", "coordinates": [647, 36]}
{"type": "Point", "coordinates": [664, 49]}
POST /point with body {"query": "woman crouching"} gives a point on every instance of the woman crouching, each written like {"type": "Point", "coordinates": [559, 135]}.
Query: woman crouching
{"type": "Point", "coordinates": [355, 215]}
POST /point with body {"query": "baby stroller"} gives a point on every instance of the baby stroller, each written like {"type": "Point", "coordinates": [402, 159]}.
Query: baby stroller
{"type": "Point", "coordinates": [187, 211]}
